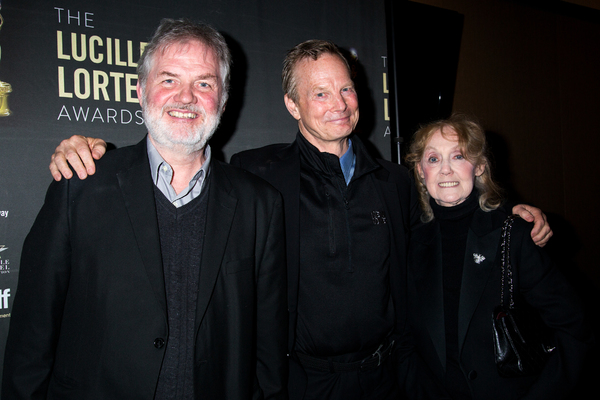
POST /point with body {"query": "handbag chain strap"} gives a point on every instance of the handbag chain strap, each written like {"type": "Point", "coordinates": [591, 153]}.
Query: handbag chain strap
{"type": "Point", "coordinates": [507, 271]}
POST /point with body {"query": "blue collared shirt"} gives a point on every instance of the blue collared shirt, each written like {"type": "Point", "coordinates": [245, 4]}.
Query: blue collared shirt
{"type": "Point", "coordinates": [348, 163]}
{"type": "Point", "coordinates": [162, 175]}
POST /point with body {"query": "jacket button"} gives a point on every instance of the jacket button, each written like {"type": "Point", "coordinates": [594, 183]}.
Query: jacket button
{"type": "Point", "coordinates": [159, 343]}
{"type": "Point", "coordinates": [472, 375]}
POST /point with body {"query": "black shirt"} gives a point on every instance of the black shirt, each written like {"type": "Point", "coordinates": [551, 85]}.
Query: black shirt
{"type": "Point", "coordinates": [454, 225]}
{"type": "Point", "coordinates": [344, 303]}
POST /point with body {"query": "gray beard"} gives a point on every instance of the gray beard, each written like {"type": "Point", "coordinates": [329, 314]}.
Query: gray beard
{"type": "Point", "coordinates": [161, 132]}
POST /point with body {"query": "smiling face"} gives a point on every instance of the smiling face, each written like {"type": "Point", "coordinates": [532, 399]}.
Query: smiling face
{"type": "Point", "coordinates": [181, 97]}
{"type": "Point", "coordinates": [327, 106]}
{"type": "Point", "coordinates": [448, 175]}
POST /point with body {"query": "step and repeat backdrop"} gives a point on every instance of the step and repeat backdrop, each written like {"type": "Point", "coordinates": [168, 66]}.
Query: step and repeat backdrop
{"type": "Point", "coordinates": [69, 67]}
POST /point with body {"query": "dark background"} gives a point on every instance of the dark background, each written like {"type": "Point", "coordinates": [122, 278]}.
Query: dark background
{"type": "Point", "coordinates": [527, 69]}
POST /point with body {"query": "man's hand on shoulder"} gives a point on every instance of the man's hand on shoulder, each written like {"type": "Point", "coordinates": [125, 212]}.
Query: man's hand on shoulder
{"type": "Point", "coordinates": [541, 232]}
{"type": "Point", "coordinates": [78, 151]}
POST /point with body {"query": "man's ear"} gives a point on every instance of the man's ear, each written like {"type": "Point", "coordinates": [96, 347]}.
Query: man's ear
{"type": "Point", "coordinates": [291, 106]}
{"type": "Point", "coordinates": [140, 94]}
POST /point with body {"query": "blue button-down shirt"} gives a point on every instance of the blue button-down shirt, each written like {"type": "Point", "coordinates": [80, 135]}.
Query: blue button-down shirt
{"type": "Point", "coordinates": [162, 175]}
{"type": "Point", "coordinates": [348, 163]}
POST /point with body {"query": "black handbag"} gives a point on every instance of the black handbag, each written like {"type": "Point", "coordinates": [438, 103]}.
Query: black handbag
{"type": "Point", "coordinates": [521, 340]}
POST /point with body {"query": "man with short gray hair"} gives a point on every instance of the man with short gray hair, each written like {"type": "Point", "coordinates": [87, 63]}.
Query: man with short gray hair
{"type": "Point", "coordinates": [162, 276]}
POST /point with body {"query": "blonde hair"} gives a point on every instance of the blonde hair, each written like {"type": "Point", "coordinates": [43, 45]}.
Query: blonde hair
{"type": "Point", "coordinates": [471, 139]}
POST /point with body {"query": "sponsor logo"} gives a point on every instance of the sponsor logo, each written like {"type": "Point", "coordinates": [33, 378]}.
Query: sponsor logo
{"type": "Point", "coordinates": [4, 295]}
{"type": "Point", "coordinates": [4, 262]}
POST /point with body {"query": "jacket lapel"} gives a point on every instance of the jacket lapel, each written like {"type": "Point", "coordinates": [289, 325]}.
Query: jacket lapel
{"type": "Point", "coordinates": [394, 210]}
{"type": "Point", "coordinates": [138, 194]}
{"type": "Point", "coordinates": [395, 206]}
{"type": "Point", "coordinates": [220, 212]}
{"type": "Point", "coordinates": [480, 258]}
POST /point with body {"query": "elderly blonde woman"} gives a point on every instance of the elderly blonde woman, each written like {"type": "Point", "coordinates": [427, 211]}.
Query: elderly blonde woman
{"type": "Point", "coordinates": [455, 274]}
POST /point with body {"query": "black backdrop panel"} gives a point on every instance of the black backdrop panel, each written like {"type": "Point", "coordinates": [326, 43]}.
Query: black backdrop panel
{"type": "Point", "coordinates": [424, 46]}
{"type": "Point", "coordinates": [71, 67]}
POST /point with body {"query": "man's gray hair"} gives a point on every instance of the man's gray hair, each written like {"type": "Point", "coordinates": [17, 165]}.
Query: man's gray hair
{"type": "Point", "coordinates": [171, 32]}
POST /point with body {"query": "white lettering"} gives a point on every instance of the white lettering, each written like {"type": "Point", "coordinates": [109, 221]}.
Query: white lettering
{"type": "Point", "coordinates": [97, 115]}
{"type": "Point", "coordinates": [63, 113]}
{"type": "Point", "coordinates": [59, 10]}
{"type": "Point", "coordinates": [108, 115]}
{"type": "Point", "coordinates": [111, 113]}
{"type": "Point", "coordinates": [138, 115]}
{"type": "Point", "coordinates": [70, 17]}
{"type": "Point", "coordinates": [80, 113]}
{"type": "Point", "coordinates": [123, 112]}
{"type": "Point", "coordinates": [4, 295]}
{"type": "Point", "coordinates": [87, 19]}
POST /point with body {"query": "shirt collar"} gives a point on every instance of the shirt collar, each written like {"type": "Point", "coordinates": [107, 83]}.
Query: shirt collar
{"type": "Point", "coordinates": [348, 163]}
{"type": "Point", "coordinates": [162, 174]}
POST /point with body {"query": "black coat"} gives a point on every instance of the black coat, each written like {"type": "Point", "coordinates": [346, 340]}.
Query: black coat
{"type": "Point", "coordinates": [90, 318]}
{"type": "Point", "coordinates": [279, 164]}
{"type": "Point", "coordinates": [540, 284]}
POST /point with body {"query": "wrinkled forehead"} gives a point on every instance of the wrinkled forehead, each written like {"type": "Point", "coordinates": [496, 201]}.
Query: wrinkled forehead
{"type": "Point", "coordinates": [448, 133]}
{"type": "Point", "coordinates": [189, 51]}
{"type": "Point", "coordinates": [326, 65]}
{"type": "Point", "coordinates": [438, 135]}
{"type": "Point", "coordinates": [454, 139]}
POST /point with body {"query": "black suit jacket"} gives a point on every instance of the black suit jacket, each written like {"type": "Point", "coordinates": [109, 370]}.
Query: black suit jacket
{"type": "Point", "coordinates": [90, 319]}
{"type": "Point", "coordinates": [279, 164]}
{"type": "Point", "coordinates": [541, 285]}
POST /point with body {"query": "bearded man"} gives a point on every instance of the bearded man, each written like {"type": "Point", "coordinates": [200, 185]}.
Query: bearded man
{"type": "Point", "coordinates": [163, 276]}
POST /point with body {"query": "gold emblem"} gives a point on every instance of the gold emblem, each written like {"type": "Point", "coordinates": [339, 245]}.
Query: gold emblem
{"type": "Point", "coordinates": [5, 87]}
